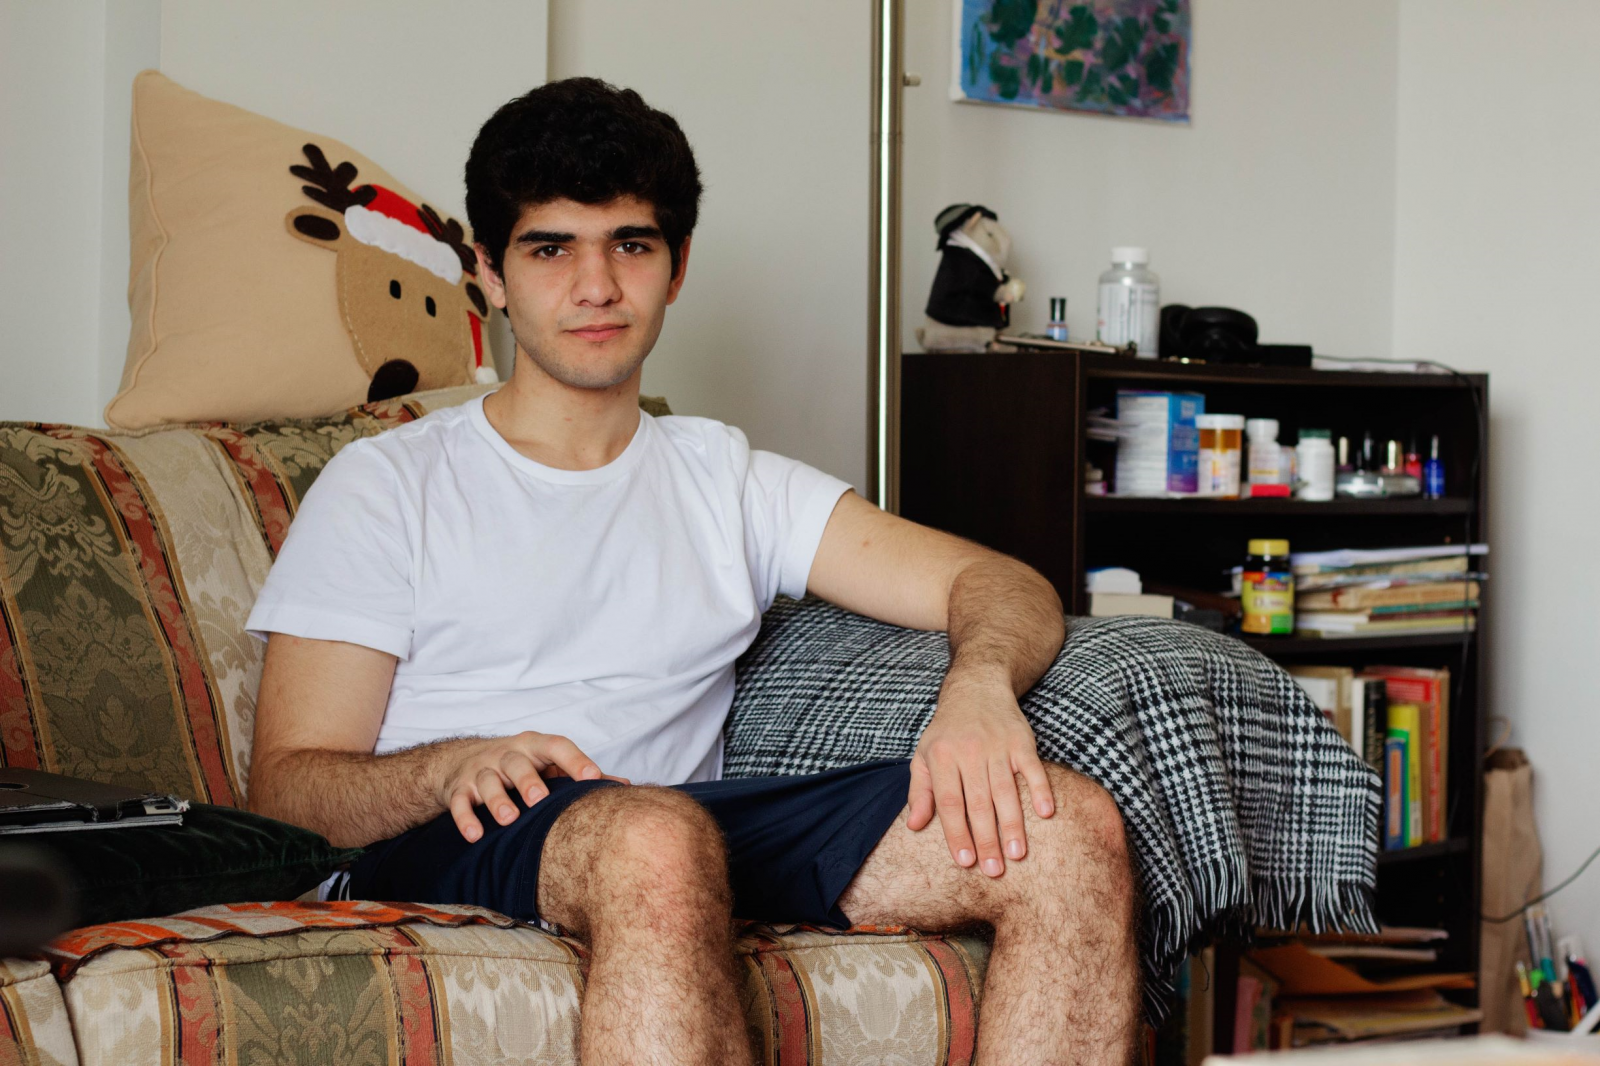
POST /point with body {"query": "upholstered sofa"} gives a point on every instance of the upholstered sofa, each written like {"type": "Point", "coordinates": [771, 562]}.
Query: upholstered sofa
{"type": "Point", "coordinates": [128, 564]}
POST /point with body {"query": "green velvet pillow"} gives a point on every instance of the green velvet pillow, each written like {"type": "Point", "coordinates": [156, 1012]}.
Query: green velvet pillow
{"type": "Point", "coordinates": [218, 855]}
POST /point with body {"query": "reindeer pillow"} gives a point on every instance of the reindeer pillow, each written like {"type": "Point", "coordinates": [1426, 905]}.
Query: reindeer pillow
{"type": "Point", "coordinates": [280, 274]}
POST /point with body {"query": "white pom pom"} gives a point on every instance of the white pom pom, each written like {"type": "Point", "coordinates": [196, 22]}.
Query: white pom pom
{"type": "Point", "coordinates": [486, 376]}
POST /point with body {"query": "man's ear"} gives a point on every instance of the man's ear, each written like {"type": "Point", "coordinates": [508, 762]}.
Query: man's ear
{"type": "Point", "coordinates": [492, 282]}
{"type": "Point", "coordinates": [683, 268]}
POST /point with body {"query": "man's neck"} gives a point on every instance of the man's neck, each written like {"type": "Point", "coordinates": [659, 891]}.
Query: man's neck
{"type": "Point", "coordinates": [561, 426]}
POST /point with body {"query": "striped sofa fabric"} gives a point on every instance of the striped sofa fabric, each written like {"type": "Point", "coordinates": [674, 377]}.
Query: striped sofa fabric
{"type": "Point", "coordinates": [128, 565]}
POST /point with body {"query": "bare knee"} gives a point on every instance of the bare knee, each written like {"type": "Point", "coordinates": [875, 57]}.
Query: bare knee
{"type": "Point", "coordinates": [1077, 857]}
{"type": "Point", "coordinates": [647, 856]}
{"type": "Point", "coordinates": [1086, 816]}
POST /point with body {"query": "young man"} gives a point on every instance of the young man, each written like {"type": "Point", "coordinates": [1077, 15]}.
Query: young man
{"type": "Point", "coordinates": [502, 641]}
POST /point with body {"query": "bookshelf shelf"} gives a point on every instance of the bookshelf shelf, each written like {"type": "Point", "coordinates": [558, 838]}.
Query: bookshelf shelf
{"type": "Point", "coordinates": [1137, 505]}
{"type": "Point", "coordinates": [1423, 852]}
{"type": "Point", "coordinates": [994, 448]}
{"type": "Point", "coordinates": [1346, 646]}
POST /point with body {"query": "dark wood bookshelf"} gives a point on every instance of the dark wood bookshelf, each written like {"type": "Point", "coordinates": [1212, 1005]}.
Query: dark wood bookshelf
{"type": "Point", "coordinates": [994, 448]}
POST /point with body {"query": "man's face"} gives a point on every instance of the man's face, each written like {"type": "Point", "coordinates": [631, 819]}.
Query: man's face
{"type": "Point", "coordinates": [586, 287]}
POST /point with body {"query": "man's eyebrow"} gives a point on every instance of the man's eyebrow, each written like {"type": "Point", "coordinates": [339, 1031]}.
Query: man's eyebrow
{"type": "Point", "coordinates": [624, 233]}
{"type": "Point", "coordinates": [544, 236]}
{"type": "Point", "coordinates": [621, 233]}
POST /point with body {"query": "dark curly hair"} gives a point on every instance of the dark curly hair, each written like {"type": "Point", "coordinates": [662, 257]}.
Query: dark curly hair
{"type": "Point", "coordinates": [580, 139]}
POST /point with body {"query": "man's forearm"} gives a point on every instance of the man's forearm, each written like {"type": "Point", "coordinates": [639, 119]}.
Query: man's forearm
{"type": "Point", "coordinates": [353, 799]}
{"type": "Point", "coordinates": [1006, 620]}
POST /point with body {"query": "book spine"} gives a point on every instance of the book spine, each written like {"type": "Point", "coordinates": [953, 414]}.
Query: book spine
{"type": "Point", "coordinates": [1376, 712]}
{"type": "Point", "coordinates": [1395, 818]}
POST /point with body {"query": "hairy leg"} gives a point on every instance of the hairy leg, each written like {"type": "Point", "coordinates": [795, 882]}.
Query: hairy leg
{"type": "Point", "coordinates": [641, 875]}
{"type": "Point", "coordinates": [1063, 982]}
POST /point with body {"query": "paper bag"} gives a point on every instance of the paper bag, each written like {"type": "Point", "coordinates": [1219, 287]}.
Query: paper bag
{"type": "Point", "coordinates": [1511, 877]}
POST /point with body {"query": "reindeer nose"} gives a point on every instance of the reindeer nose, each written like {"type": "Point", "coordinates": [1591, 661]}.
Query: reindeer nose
{"type": "Point", "coordinates": [394, 378]}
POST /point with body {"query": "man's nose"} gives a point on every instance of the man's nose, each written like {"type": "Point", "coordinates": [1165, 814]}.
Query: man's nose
{"type": "Point", "coordinates": [595, 283]}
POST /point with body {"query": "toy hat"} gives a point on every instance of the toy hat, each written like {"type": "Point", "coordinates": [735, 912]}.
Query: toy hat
{"type": "Point", "coordinates": [954, 217]}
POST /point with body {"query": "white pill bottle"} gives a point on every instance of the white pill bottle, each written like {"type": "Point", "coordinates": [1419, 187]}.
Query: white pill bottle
{"type": "Point", "coordinates": [1130, 302]}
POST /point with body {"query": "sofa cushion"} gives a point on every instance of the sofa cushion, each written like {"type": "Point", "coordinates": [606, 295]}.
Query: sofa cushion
{"type": "Point", "coordinates": [273, 272]}
{"type": "Point", "coordinates": [128, 564]}
{"type": "Point", "coordinates": [34, 1030]}
{"type": "Point", "coordinates": [362, 981]}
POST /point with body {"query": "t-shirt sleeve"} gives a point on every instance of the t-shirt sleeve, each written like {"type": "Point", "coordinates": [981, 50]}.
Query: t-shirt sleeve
{"type": "Point", "coordinates": [344, 570]}
{"type": "Point", "coordinates": [786, 508]}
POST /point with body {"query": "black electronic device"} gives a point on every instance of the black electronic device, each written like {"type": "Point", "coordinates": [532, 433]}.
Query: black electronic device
{"type": "Point", "coordinates": [34, 801]}
{"type": "Point", "coordinates": [1208, 335]}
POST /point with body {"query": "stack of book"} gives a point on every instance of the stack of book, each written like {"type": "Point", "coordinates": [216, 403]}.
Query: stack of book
{"type": "Point", "coordinates": [1115, 590]}
{"type": "Point", "coordinates": [1341, 987]}
{"type": "Point", "coordinates": [1398, 719]}
{"type": "Point", "coordinates": [1388, 591]}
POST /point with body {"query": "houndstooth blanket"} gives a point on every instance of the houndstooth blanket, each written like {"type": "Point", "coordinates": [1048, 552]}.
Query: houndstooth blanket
{"type": "Point", "coordinates": [1243, 806]}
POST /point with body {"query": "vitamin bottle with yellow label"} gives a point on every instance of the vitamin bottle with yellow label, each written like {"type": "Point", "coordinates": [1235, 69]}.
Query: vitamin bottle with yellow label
{"type": "Point", "coordinates": [1267, 592]}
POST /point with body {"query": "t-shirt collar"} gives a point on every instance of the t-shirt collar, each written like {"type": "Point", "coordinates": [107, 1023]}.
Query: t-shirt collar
{"type": "Point", "coordinates": [618, 467]}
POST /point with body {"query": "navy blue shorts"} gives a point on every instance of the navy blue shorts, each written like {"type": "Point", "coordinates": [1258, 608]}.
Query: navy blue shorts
{"type": "Point", "coordinates": [794, 843]}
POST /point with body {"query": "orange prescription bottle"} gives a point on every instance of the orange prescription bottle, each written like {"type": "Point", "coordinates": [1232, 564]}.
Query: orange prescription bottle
{"type": "Point", "coordinates": [1221, 455]}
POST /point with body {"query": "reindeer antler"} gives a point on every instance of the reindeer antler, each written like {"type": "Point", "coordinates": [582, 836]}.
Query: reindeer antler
{"type": "Point", "coordinates": [331, 185]}
{"type": "Point", "coordinates": [450, 232]}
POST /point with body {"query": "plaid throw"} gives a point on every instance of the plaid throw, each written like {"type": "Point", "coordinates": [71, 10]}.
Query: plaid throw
{"type": "Point", "coordinates": [1243, 806]}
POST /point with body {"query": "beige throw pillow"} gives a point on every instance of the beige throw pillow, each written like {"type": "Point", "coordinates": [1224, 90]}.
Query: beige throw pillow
{"type": "Point", "coordinates": [276, 273]}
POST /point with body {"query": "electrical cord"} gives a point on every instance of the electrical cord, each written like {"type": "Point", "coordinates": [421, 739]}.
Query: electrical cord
{"type": "Point", "coordinates": [1546, 895]}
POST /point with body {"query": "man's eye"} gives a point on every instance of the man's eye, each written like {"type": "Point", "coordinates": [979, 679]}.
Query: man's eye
{"type": "Point", "coordinates": [554, 249]}
{"type": "Point", "coordinates": [634, 247]}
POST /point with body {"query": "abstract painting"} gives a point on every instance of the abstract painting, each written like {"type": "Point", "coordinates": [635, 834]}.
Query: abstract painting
{"type": "Point", "coordinates": [1115, 57]}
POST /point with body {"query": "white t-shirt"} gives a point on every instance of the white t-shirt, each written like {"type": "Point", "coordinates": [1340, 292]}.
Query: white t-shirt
{"type": "Point", "coordinates": [605, 605]}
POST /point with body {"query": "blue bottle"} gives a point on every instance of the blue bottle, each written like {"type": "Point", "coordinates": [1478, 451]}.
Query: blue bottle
{"type": "Point", "coordinates": [1433, 472]}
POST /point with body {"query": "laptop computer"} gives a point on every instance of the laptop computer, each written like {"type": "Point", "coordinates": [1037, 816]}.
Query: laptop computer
{"type": "Point", "coordinates": [34, 801]}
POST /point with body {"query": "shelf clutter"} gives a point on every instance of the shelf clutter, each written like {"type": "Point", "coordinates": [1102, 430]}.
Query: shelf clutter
{"type": "Point", "coordinates": [1169, 446]}
{"type": "Point", "coordinates": [1428, 589]}
{"type": "Point", "coordinates": [1319, 989]}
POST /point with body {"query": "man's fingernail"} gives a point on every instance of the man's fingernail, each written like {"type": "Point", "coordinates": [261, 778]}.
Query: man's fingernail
{"type": "Point", "coordinates": [472, 832]}
{"type": "Point", "coordinates": [508, 811]}
{"type": "Point", "coordinates": [591, 772]}
{"type": "Point", "coordinates": [965, 857]}
{"type": "Point", "coordinates": [992, 867]}
{"type": "Point", "coordinates": [1014, 849]}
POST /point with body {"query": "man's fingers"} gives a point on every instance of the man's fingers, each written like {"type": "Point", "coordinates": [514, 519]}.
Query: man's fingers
{"type": "Point", "coordinates": [461, 811]}
{"type": "Point", "coordinates": [522, 773]}
{"type": "Point", "coordinates": [1044, 798]}
{"type": "Point", "coordinates": [1008, 809]}
{"type": "Point", "coordinates": [952, 806]}
{"type": "Point", "coordinates": [920, 798]}
{"type": "Point", "coordinates": [980, 816]}
{"type": "Point", "coordinates": [492, 793]}
{"type": "Point", "coordinates": [565, 754]}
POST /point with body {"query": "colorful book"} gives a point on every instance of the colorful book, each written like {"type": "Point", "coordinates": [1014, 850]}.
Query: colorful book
{"type": "Point", "coordinates": [1405, 719]}
{"type": "Point", "coordinates": [1396, 819]}
{"type": "Point", "coordinates": [1429, 690]}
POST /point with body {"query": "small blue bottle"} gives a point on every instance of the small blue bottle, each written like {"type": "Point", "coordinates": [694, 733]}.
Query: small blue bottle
{"type": "Point", "coordinates": [1433, 472]}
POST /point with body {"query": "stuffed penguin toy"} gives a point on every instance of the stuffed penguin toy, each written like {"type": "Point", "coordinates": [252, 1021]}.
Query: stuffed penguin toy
{"type": "Point", "coordinates": [972, 294]}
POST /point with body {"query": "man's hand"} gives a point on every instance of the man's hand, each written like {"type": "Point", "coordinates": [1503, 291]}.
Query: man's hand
{"type": "Point", "coordinates": [965, 765]}
{"type": "Point", "coordinates": [483, 772]}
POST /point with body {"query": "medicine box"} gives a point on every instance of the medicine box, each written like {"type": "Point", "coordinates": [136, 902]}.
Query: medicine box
{"type": "Point", "coordinates": [1158, 446]}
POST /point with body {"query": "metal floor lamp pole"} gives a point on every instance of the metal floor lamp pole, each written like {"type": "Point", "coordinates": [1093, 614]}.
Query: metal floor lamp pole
{"type": "Point", "coordinates": [883, 311]}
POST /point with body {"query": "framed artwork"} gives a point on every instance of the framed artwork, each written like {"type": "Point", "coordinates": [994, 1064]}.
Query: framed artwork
{"type": "Point", "coordinates": [1114, 57]}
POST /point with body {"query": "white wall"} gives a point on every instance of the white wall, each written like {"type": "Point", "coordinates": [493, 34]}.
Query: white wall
{"type": "Point", "coordinates": [1497, 267]}
{"type": "Point", "coordinates": [408, 83]}
{"type": "Point", "coordinates": [770, 332]}
{"type": "Point", "coordinates": [1277, 198]}
{"type": "Point", "coordinates": [65, 80]}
